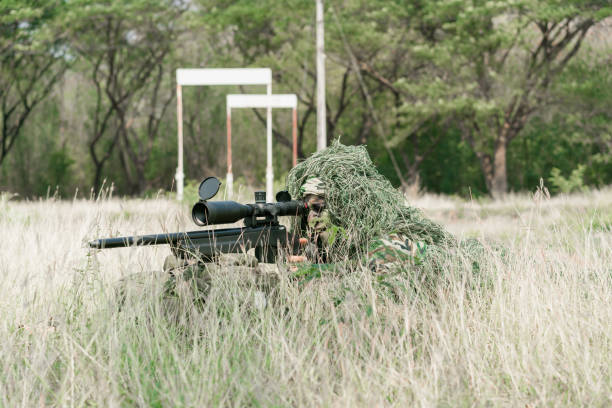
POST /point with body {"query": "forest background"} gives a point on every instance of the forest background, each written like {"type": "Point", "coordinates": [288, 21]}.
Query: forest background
{"type": "Point", "coordinates": [462, 97]}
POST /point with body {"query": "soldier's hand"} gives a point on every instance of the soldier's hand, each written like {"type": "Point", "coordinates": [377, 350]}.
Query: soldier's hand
{"type": "Point", "coordinates": [298, 258]}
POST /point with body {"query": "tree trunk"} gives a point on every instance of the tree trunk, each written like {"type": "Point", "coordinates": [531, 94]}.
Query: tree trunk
{"type": "Point", "coordinates": [493, 166]}
{"type": "Point", "coordinates": [413, 186]}
{"type": "Point", "coordinates": [99, 162]}
{"type": "Point", "coordinates": [412, 181]}
{"type": "Point", "coordinates": [97, 177]}
{"type": "Point", "coordinates": [124, 159]}
{"type": "Point", "coordinates": [499, 176]}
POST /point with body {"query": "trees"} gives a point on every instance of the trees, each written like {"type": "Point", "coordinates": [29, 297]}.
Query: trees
{"type": "Point", "coordinates": [126, 45]}
{"type": "Point", "coordinates": [32, 60]}
{"type": "Point", "coordinates": [491, 66]}
{"type": "Point", "coordinates": [439, 90]}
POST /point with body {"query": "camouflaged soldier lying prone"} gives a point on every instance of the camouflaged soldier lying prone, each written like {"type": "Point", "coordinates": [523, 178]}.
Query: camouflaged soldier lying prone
{"type": "Point", "coordinates": [354, 214]}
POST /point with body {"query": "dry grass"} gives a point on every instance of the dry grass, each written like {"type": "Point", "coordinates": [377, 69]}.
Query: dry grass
{"type": "Point", "coordinates": [532, 328]}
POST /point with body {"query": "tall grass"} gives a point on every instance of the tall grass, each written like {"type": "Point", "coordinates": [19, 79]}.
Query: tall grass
{"type": "Point", "coordinates": [532, 327]}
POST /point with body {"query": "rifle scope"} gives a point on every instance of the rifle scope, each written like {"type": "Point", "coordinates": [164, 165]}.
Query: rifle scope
{"type": "Point", "coordinates": [227, 212]}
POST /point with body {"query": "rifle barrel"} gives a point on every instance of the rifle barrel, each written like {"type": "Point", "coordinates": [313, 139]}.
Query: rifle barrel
{"type": "Point", "coordinates": [152, 239]}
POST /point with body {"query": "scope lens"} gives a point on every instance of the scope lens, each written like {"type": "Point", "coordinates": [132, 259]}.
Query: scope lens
{"type": "Point", "coordinates": [199, 214]}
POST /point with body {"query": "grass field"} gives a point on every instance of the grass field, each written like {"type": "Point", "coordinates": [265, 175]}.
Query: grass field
{"type": "Point", "coordinates": [532, 328]}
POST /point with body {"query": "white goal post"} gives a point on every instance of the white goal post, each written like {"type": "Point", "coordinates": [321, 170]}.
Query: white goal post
{"type": "Point", "coordinates": [237, 101]}
{"type": "Point", "coordinates": [222, 76]}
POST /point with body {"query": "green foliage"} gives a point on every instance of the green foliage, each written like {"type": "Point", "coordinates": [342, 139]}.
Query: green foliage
{"type": "Point", "coordinates": [453, 167]}
{"type": "Point", "coordinates": [573, 183]}
{"type": "Point", "coordinates": [59, 168]}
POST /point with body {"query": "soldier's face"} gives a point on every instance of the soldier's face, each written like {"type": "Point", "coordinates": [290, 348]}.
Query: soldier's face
{"type": "Point", "coordinates": [316, 206]}
{"type": "Point", "coordinates": [316, 228]}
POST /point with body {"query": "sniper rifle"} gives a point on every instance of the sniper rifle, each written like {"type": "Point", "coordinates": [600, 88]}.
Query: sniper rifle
{"type": "Point", "coordinates": [262, 230]}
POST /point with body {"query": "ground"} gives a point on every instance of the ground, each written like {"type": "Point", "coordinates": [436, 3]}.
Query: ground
{"type": "Point", "coordinates": [531, 327]}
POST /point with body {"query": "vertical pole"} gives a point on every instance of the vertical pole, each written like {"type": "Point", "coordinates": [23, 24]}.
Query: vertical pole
{"type": "Point", "coordinates": [269, 169]}
{"type": "Point", "coordinates": [180, 176]}
{"type": "Point", "coordinates": [321, 113]}
{"type": "Point", "coordinates": [294, 127]}
{"type": "Point", "coordinates": [230, 177]}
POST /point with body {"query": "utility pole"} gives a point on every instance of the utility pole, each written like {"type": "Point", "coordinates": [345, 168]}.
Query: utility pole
{"type": "Point", "coordinates": [321, 114]}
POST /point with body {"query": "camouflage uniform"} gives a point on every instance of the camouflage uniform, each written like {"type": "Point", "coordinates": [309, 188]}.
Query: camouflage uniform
{"type": "Point", "coordinates": [394, 250]}
{"type": "Point", "coordinates": [384, 253]}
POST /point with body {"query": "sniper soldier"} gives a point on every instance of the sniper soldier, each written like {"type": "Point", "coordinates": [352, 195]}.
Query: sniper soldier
{"type": "Point", "coordinates": [355, 215]}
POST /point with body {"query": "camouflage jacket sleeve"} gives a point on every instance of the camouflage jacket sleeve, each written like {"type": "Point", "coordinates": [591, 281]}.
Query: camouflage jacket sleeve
{"type": "Point", "coordinates": [393, 251]}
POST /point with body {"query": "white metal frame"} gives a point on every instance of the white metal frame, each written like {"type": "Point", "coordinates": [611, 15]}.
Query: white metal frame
{"type": "Point", "coordinates": [222, 76]}
{"type": "Point", "coordinates": [237, 101]}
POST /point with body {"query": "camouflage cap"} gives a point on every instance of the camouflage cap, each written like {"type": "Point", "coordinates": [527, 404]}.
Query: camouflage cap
{"type": "Point", "coordinates": [313, 185]}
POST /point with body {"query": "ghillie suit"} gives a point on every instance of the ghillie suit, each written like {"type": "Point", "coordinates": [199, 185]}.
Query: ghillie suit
{"type": "Point", "coordinates": [362, 206]}
{"type": "Point", "coordinates": [371, 225]}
